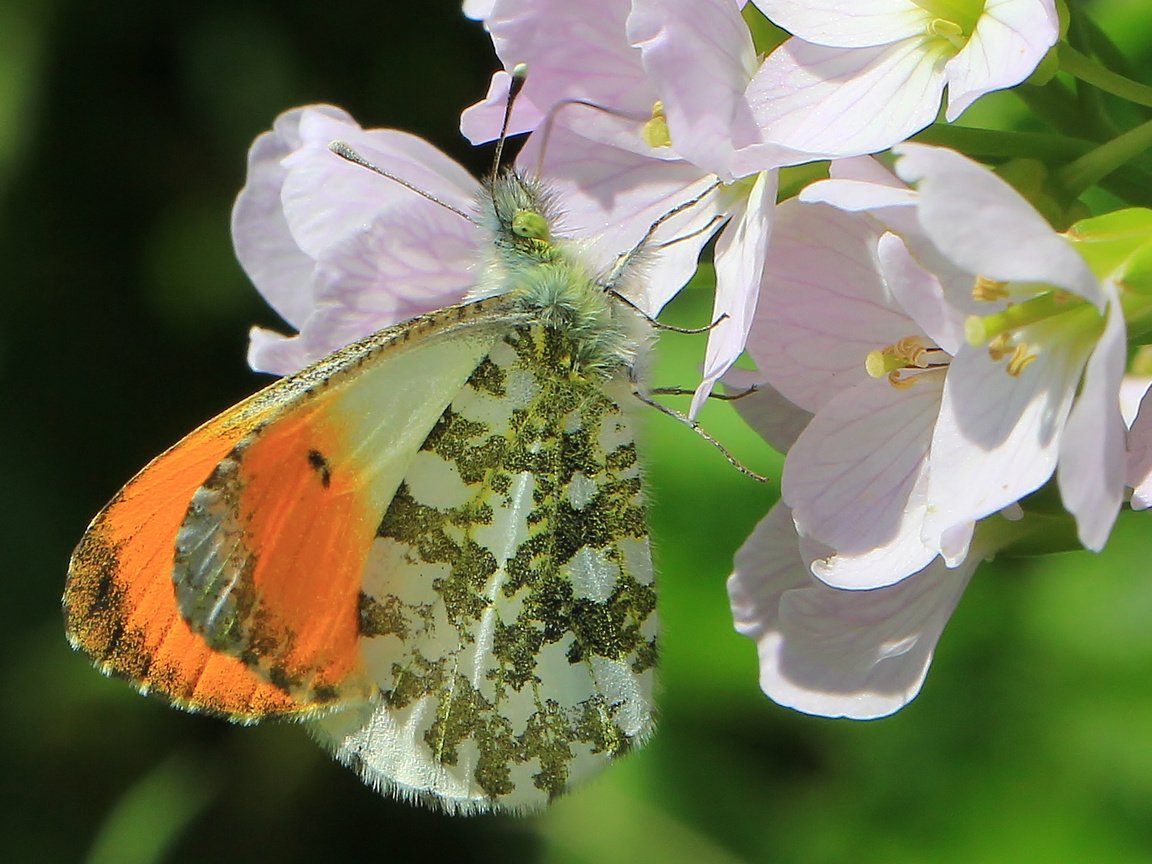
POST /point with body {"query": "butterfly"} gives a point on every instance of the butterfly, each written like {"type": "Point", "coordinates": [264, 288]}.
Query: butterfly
{"type": "Point", "coordinates": [430, 546]}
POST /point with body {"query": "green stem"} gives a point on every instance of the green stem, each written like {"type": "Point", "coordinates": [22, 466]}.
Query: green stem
{"type": "Point", "coordinates": [1080, 66]}
{"type": "Point", "coordinates": [993, 143]}
{"type": "Point", "coordinates": [1055, 103]}
{"type": "Point", "coordinates": [1099, 163]}
{"type": "Point", "coordinates": [1091, 100]}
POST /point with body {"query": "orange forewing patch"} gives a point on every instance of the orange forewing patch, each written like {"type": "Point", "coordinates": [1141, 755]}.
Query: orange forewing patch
{"type": "Point", "coordinates": [120, 603]}
{"type": "Point", "coordinates": [309, 531]}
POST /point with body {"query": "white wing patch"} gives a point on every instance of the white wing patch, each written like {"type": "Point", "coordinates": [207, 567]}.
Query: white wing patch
{"type": "Point", "coordinates": [508, 614]}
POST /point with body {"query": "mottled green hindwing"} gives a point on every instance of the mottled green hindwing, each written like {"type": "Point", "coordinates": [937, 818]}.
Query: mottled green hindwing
{"type": "Point", "coordinates": [508, 612]}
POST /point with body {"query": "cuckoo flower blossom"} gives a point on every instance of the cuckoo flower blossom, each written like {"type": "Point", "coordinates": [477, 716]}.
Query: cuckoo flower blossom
{"type": "Point", "coordinates": [861, 75]}
{"type": "Point", "coordinates": [857, 654]}
{"type": "Point", "coordinates": [340, 251]}
{"type": "Point", "coordinates": [668, 79]}
{"type": "Point", "coordinates": [837, 290]}
{"type": "Point", "coordinates": [951, 365]}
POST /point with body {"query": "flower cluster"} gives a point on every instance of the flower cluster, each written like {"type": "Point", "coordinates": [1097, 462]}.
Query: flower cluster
{"type": "Point", "coordinates": [934, 341]}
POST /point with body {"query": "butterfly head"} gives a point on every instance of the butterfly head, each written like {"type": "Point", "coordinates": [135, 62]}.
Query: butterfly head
{"type": "Point", "coordinates": [520, 215]}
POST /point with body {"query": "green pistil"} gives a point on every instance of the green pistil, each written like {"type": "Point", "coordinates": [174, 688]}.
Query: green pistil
{"type": "Point", "coordinates": [980, 329]}
{"type": "Point", "coordinates": [878, 364]}
{"type": "Point", "coordinates": [949, 31]}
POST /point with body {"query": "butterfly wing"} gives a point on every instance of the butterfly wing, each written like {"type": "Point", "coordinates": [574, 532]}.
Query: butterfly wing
{"type": "Point", "coordinates": [508, 614]}
{"type": "Point", "coordinates": [119, 602]}
{"type": "Point", "coordinates": [256, 517]}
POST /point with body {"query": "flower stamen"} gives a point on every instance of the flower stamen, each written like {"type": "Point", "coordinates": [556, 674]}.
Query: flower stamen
{"type": "Point", "coordinates": [987, 290]}
{"type": "Point", "coordinates": [1000, 347]}
{"type": "Point", "coordinates": [1022, 357]}
{"type": "Point", "coordinates": [905, 360]}
{"type": "Point", "coordinates": [951, 18]}
{"type": "Point", "coordinates": [950, 31]}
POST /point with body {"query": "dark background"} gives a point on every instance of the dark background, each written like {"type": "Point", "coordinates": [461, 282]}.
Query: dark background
{"type": "Point", "coordinates": [123, 132]}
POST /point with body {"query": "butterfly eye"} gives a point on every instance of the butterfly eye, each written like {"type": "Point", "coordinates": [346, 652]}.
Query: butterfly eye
{"type": "Point", "coordinates": [530, 225]}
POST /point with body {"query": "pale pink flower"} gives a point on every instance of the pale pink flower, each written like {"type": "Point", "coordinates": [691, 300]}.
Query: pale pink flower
{"type": "Point", "coordinates": [893, 471]}
{"type": "Point", "coordinates": [827, 651]}
{"type": "Point", "coordinates": [861, 75]}
{"type": "Point", "coordinates": [837, 290]}
{"type": "Point", "coordinates": [338, 251]}
{"type": "Point", "coordinates": [672, 77]}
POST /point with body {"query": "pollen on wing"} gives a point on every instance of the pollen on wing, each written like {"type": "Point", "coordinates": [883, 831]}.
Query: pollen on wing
{"type": "Point", "coordinates": [508, 611]}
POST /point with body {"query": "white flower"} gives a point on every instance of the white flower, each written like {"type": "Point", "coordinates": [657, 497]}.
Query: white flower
{"type": "Point", "coordinates": [861, 75]}
{"type": "Point", "coordinates": [993, 355]}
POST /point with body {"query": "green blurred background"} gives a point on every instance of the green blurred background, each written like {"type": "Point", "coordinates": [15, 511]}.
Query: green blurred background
{"type": "Point", "coordinates": [123, 132]}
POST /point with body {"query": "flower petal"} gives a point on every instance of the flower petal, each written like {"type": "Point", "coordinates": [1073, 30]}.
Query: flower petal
{"type": "Point", "coordinates": [823, 305]}
{"type": "Point", "coordinates": [1011, 38]}
{"type": "Point", "coordinates": [573, 51]}
{"type": "Point", "coordinates": [1139, 461]}
{"type": "Point", "coordinates": [478, 10]}
{"type": "Point", "coordinates": [739, 260]}
{"type": "Point", "coordinates": [847, 23]}
{"type": "Point", "coordinates": [920, 294]}
{"type": "Point", "coordinates": [857, 654]}
{"type": "Point", "coordinates": [1133, 388]}
{"type": "Point", "coordinates": [855, 480]}
{"type": "Point", "coordinates": [1091, 467]}
{"type": "Point", "coordinates": [778, 421]}
{"type": "Point", "coordinates": [275, 353]}
{"type": "Point", "coordinates": [269, 254]}
{"type": "Point", "coordinates": [845, 101]}
{"type": "Point", "coordinates": [326, 198]}
{"type": "Point", "coordinates": [706, 111]}
{"type": "Point", "coordinates": [409, 261]}
{"type": "Point", "coordinates": [983, 226]}
{"type": "Point", "coordinates": [998, 435]}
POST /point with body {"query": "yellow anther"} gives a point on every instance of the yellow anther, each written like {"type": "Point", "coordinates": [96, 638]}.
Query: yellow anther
{"type": "Point", "coordinates": [655, 132]}
{"type": "Point", "coordinates": [989, 290]}
{"type": "Point", "coordinates": [1000, 347]}
{"type": "Point", "coordinates": [900, 380]}
{"type": "Point", "coordinates": [914, 350]}
{"type": "Point", "coordinates": [1020, 360]}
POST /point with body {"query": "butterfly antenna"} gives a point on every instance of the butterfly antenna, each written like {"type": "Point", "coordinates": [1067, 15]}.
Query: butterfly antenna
{"type": "Point", "coordinates": [519, 76]}
{"type": "Point", "coordinates": [346, 152]}
{"type": "Point", "coordinates": [721, 397]}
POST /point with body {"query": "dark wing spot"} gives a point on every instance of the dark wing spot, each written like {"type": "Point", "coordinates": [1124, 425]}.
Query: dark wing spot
{"type": "Point", "coordinates": [320, 466]}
